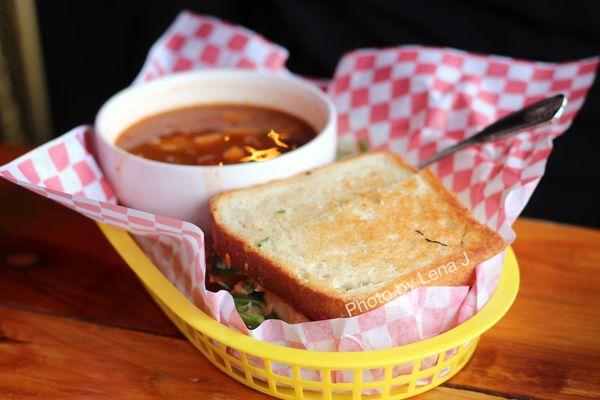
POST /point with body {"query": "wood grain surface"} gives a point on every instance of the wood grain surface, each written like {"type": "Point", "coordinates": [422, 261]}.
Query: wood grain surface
{"type": "Point", "coordinates": [75, 323]}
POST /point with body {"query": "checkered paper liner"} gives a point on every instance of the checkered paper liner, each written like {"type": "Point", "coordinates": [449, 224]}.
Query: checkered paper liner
{"type": "Point", "coordinates": [413, 100]}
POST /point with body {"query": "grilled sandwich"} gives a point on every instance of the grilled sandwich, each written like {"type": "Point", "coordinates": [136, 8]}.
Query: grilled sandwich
{"type": "Point", "coordinates": [348, 237]}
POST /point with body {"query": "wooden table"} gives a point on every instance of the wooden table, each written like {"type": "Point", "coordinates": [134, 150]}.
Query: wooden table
{"type": "Point", "coordinates": [75, 322]}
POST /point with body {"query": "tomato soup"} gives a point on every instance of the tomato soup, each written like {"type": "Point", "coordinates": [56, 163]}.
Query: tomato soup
{"type": "Point", "coordinates": [216, 135]}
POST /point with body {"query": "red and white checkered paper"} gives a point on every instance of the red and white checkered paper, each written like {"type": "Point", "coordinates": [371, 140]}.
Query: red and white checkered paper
{"type": "Point", "coordinates": [411, 99]}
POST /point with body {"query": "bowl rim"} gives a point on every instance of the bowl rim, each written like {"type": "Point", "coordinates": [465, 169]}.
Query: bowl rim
{"type": "Point", "coordinates": [498, 304]}
{"type": "Point", "coordinates": [218, 73]}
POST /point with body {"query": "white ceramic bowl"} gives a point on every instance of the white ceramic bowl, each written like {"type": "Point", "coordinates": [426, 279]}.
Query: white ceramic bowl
{"type": "Point", "coordinates": [181, 191]}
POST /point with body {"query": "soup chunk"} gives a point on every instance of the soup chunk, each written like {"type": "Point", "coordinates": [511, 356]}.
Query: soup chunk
{"type": "Point", "coordinates": [216, 135]}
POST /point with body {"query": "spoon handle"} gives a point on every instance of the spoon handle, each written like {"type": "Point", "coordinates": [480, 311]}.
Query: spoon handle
{"type": "Point", "coordinates": [542, 112]}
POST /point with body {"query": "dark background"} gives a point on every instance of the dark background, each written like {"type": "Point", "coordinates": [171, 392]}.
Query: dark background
{"type": "Point", "coordinates": [94, 48]}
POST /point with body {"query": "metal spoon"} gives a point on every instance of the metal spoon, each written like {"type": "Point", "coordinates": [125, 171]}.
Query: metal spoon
{"type": "Point", "coordinates": [543, 112]}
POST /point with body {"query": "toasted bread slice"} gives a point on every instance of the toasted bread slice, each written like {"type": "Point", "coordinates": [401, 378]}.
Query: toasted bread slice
{"type": "Point", "coordinates": [348, 237]}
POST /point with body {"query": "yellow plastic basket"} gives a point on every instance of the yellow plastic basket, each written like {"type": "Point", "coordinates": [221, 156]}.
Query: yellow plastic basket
{"type": "Point", "coordinates": [249, 361]}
